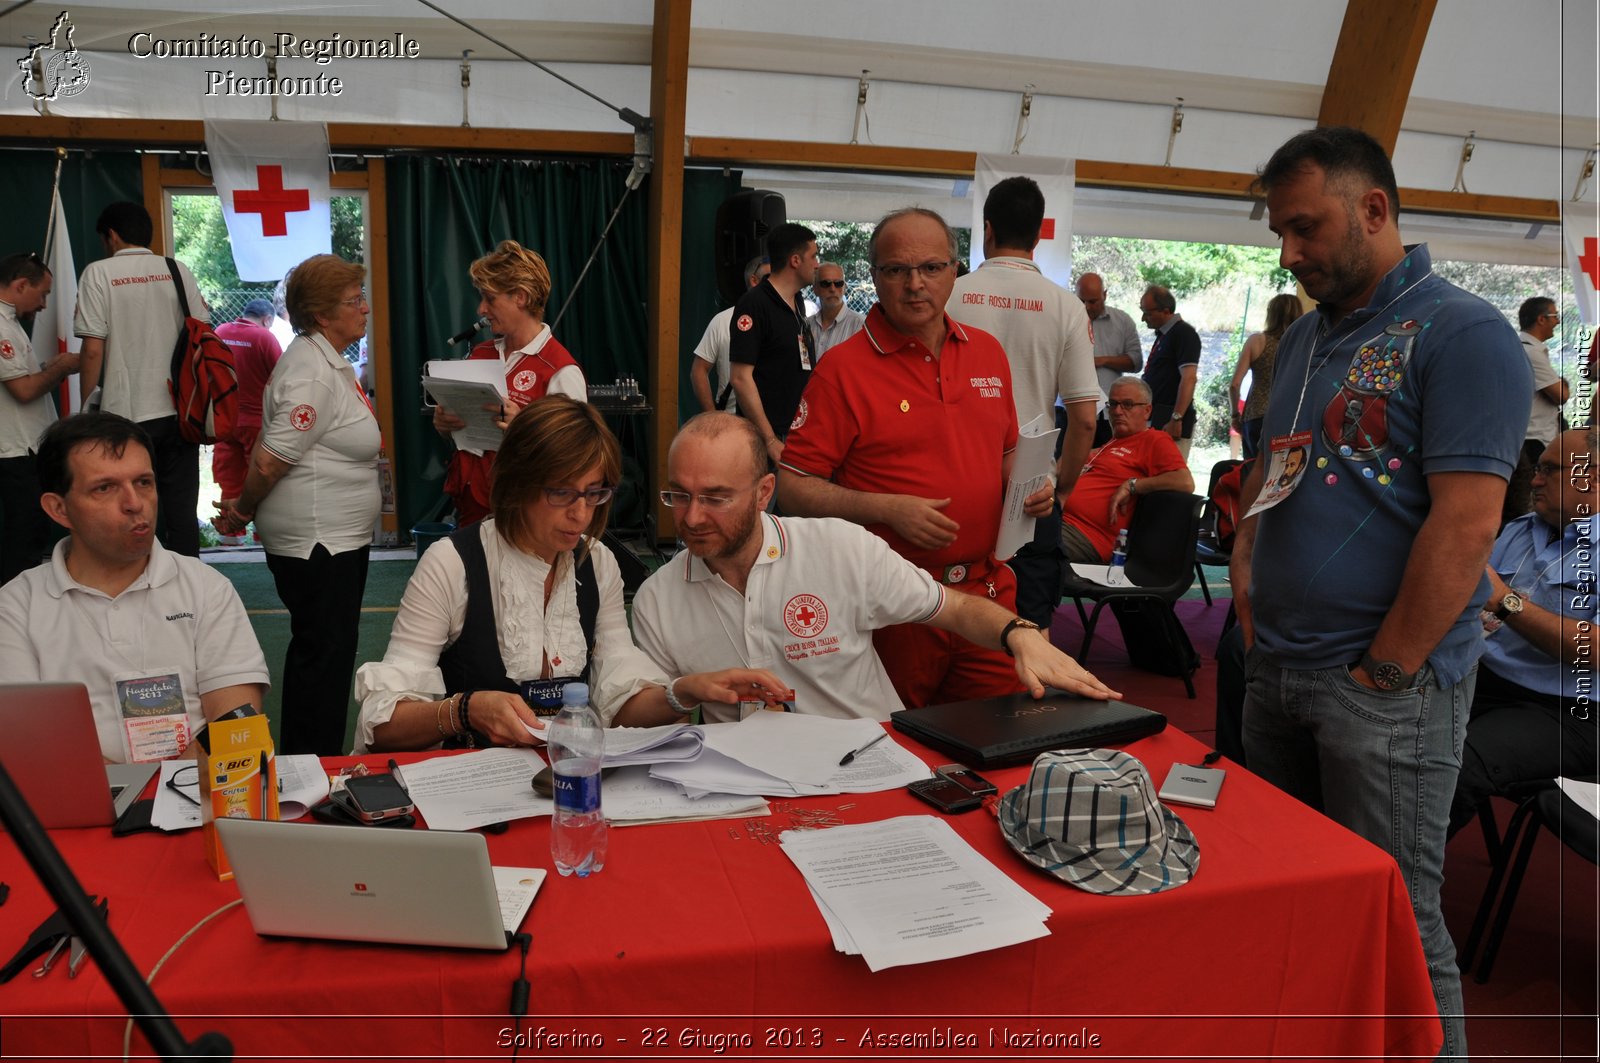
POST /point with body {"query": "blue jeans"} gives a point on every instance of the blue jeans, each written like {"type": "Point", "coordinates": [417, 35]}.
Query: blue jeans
{"type": "Point", "coordinates": [1383, 764]}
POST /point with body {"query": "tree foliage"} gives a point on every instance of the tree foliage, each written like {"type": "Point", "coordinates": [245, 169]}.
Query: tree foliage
{"type": "Point", "coordinates": [200, 239]}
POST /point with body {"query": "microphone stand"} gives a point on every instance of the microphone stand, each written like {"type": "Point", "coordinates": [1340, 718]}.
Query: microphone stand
{"type": "Point", "coordinates": [73, 903]}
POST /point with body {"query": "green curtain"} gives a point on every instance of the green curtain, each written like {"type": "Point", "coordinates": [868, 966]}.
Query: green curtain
{"type": "Point", "coordinates": [89, 181]}
{"type": "Point", "coordinates": [698, 299]}
{"type": "Point", "coordinates": [446, 211]}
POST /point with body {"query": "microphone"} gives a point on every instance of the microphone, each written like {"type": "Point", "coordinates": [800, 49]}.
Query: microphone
{"type": "Point", "coordinates": [467, 333]}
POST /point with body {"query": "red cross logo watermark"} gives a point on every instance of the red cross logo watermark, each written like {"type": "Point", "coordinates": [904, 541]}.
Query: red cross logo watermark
{"type": "Point", "coordinates": [272, 201]}
{"type": "Point", "coordinates": [805, 616]}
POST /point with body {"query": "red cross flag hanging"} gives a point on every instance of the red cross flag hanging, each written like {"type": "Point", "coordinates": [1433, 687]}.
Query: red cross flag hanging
{"type": "Point", "coordinates": [272, 178]}
{"type": "Point", "coordinates": [1582, 237]}
{"type": "Point", "coordinates": [1055, 178]}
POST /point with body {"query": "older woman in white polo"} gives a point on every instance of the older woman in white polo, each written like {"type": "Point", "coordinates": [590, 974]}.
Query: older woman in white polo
{"type": "Point", "coordinates": [313, 493]}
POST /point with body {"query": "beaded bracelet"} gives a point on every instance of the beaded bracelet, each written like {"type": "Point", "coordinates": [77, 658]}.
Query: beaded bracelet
{"type": "Point", "coordinates": [464, 713]}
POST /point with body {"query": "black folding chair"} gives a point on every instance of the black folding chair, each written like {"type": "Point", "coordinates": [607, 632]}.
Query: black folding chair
{"type": "Point", "coordinates": [1160, 569]}
{"type": "Point", "coordinates": [1207, 551]}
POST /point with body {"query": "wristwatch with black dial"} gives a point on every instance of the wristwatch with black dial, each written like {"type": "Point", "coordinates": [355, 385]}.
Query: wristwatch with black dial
{"type": "Point", "coordinates": [1388, 675]}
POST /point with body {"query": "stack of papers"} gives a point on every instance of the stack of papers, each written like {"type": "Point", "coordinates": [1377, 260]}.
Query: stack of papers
{"type": "Point", "coordinates": [1030, 468]}
{"type": "Point", "coordinates": [464, 387]}
{"type": "Point", "coordinates": [784, 754]}
{"type": "Point", "coordinates": [631, 797]}
{"type": "Point", "coordinates": [477, 789]}
{"type": "Point", "coordinates": [651, 745]}
{"type": "Point", "coordinates": [911, 890]}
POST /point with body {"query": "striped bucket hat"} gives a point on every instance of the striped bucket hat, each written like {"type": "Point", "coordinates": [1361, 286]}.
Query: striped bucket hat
{"type": "Point", "coordinates": [1091, 817]}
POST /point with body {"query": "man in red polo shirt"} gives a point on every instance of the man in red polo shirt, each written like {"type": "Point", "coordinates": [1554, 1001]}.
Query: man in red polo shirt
{"type": "Point", "coordinates": [908, 428]}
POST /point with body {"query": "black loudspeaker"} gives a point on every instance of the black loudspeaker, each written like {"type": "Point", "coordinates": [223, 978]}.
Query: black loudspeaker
{"type": "Point", "coordinates": [743, 221]}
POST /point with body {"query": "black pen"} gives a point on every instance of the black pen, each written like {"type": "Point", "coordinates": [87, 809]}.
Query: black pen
{"type": "Point", "coordinates": [854, 753]}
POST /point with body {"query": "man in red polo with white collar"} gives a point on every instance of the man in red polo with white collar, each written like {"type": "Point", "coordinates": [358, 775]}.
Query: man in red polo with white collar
{"type": "Point", "coordinates": [908, 428]}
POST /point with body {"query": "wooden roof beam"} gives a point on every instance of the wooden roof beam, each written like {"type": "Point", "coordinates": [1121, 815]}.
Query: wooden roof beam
{"type": "Point", "coordinates": [1369, 80]}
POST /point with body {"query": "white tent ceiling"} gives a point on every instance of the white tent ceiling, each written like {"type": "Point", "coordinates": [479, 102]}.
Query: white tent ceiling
{"type": "Point", "coordinates": [943, 74]}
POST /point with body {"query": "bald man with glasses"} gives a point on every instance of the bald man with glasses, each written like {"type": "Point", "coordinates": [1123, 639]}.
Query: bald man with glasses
{"type": "Point", "coordinates": [909, 428]}
{"type": "Point", "coordinates": [802, 598]}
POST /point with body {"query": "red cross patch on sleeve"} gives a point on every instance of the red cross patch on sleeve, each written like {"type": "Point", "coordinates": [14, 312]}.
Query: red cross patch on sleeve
{"type": "Point", "coordinates": [302, 417]}
{"type": "Point", "coordinates": [6, 350]}
{"type": "Point", "coordinates": [745, 323]}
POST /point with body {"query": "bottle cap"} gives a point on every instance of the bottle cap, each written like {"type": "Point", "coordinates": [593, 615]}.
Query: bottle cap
{"type": "Point", "coordinates": [575, 694]}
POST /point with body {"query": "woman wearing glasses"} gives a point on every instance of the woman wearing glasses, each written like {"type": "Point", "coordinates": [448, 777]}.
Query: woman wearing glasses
{"type": "Point", "coordinates": [513, 287]}
{"type": "Point", "coordinates": [312, 490]}
{"type": "Point", "coordinates": [504, 613]}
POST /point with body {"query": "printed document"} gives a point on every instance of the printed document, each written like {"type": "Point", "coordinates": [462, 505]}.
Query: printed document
{"type": "Point", "coordinates": [630, 796]}
{"type": "Point", "coordinates": [465, 386]}
{"type": "Point", "coordinates": [475, 789]}
{"type": "Point", "coordinates": [886, 766]}
{"type": "Point", "coordinates": [1030, 470]}
{"type": "Point", "coordinates": [911, 890]}
{"type": "Point", "coordinates": [800, 749]}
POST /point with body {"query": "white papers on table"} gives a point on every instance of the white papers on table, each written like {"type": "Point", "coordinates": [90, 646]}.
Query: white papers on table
{"type": "Point", "coordinates": [1586, 795]}
{"type": "Point", "coordinates": [630, 796]}
{"type": "Point", "coordinates": [517, 886]}
{"type": "Point", "coordinates": [886, 766]}
{"type": "Point", "coordinates": [1035, 455]}
{"type": "Point", "coordinates": [800, 749]}
{"type": "Point", "coordinates": [301, 783]}
{"type": "Point", "coordinates": [464, 387]}
{"type": "Point", "coordinates": [172, 811]}
{"type": "Point", "coordinates": [1100, 575]}
{"type": "Point", "coordinates": [651, 745]}
{"type": "Point", "coordinates": [475, 789]}
{"type": "Point", "coordinates": [911, 890]}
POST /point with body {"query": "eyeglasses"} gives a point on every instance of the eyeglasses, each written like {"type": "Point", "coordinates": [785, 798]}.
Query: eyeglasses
{"type": "Point", "coordinates": [681, 499]}
{"type": "Point", "coordinates": [1118, 404]}
{"type": "Point", "coordinates": [185, 780]}
{"type": "Point", "coordinates": [1547, 469]}
{"type": "Point", "coordinates": [1553, 314]}
{"type": "Point", "coordinates": [562, 497]}
{"type": "Point", "coordinates": [827, 284]}
{"type": "Point", "coordinates": [360, 300]}
{"type": "Point", "coordinates": [897, 273]}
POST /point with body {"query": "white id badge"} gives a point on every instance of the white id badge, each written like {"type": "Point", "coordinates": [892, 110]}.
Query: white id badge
{"type": "Point", "coordinates": [155, 716]}
{"type": "Point", "coordinates": [1287, 460]}
{"type": "Point", "coordinates": [805, 355]}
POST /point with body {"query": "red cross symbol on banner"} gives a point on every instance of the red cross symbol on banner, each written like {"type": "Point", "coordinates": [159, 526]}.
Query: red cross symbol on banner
{"type": "Point", "coordinates": [1047, 229]}
{"type": "Point", "coordinates": [272, 201]}
{"type": "Point", "coordinates": [1590, 261]}
{"type": "Point", "coordinates": [806, 615]}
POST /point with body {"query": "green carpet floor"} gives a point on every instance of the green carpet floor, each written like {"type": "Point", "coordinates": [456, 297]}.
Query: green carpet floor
{"type": "Point", "coordinates": [386, 582]}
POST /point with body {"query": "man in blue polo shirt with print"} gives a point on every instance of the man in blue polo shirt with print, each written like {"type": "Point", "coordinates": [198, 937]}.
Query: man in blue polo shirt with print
{"type": "Point", "coordinates": [1359, 576]}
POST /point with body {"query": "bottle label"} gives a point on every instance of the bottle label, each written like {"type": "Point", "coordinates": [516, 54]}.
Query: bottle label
{"type": "Point", "coordinates": [577, 793]}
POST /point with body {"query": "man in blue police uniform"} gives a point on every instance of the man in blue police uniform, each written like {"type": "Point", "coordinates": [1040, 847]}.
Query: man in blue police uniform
{"type": "Point", "coordinates": [1359, 583]}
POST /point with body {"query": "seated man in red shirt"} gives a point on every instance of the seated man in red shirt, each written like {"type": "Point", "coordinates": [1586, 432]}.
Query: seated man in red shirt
{"type": "Point", "coordinates": [1139, 459]}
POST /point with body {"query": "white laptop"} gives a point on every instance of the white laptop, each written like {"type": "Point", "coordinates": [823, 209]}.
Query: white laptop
{"type": "Point", "coordinates": [51, 749]}
{"type": "Point", "coordinates": [387, 884]}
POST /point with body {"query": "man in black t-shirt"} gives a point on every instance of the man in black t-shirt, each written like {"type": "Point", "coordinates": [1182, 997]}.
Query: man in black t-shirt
{"type": "Point", "coordinates": [770, 347]}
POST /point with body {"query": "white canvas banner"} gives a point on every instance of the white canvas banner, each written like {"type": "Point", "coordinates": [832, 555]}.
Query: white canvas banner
{"type": "Point", "coordinates": [272, 179]}
{"type": "Point", "coordinates": [52, 328]}
{"type": "Point", "coordinates": [1055, 178]}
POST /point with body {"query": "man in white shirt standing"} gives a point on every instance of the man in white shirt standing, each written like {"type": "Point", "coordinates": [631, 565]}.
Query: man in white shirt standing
{"type": "Point", "coordinates": [1045, 333]}
{"type": "Point", "coordinates": [25, 412]}
{"type": "Point", "coordinates": [834, 320]}
{"type": "Point", "coordinates": [128, 318]}
{"type": "Point", "coordinates": [1538, 320]}
{"type": "Point", "coordinates": [712, 350]}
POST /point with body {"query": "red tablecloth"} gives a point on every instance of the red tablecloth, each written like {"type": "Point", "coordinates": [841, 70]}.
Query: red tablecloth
{"type": "Point", "coordinates": [1294, 938]}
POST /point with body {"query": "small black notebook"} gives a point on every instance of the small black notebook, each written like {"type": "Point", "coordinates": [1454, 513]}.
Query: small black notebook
{"type": "Point", "coordinates": [1014, 728]}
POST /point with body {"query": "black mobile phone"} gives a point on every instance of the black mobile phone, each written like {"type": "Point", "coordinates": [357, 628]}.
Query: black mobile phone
{"type": "Point", "coordinates": [373, 798]}
{"type": "Point", "coordinates": [945, 795]}
{"type": "Point", "coordinates": [967, 779]}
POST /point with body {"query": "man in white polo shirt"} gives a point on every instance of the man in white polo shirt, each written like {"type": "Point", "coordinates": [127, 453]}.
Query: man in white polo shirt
{"type": "Point", "coordinates": [25, 412]}
{"type": "Point", "coordinates": [800, 596]}
{"type": "Point", "coordinates": [161, 640]}
{"type": "Point", "coordinates": [128, 317]}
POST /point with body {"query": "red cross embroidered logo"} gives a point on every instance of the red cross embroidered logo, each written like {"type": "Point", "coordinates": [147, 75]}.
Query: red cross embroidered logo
{"type": "Point", "coordinates": [302, 417]}
{"type": "Point", "coordinates": [6, 350]}
{"type": "Point", "coordinates": [800, 415]}
{"type": "Point", "coordinates": [745, 323]}
{"type": "Point", "coordinates": [805, 616]}
{"type": "Point", "coordinates": [523, 380]}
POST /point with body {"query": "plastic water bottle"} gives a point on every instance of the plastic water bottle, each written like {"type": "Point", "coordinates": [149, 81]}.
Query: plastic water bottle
{"type": "Point", "coordinates": [578, 831]}
{"type": "Point", "coordinates": [1119, 561]}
